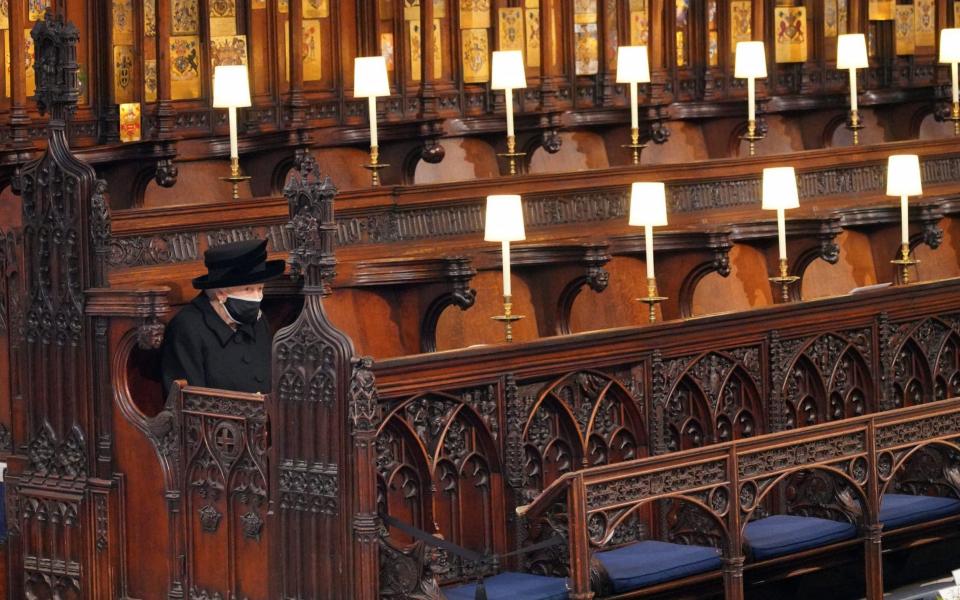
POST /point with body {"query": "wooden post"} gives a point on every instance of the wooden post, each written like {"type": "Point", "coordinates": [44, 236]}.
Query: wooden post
{"type": "Point", "coordinates": [297, 104]}
{"type": "Point", "coordinates": [323, 529]}
{"type": "Point", "coordinates": [579, 541]}
{"type": "Point", "coordinates": [19, 118]}
{"type": "Point", "coordinates": [733, 554]}
{"type": "Point", "coordinates": [873, 545]}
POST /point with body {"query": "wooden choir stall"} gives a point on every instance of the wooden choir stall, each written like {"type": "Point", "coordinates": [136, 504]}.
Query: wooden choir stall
{"type": "Point", "coordinates": [774, 412]}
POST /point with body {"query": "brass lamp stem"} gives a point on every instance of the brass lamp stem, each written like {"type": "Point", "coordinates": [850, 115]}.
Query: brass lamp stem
{"type": "Point", "coordinates": [507, 318]}
{"type": "Point", "coordinates": [374, 166]}
{"type": "Point", "coordinates": [784, 280]}
{"type": "Point", "coordinates": [652, 299]}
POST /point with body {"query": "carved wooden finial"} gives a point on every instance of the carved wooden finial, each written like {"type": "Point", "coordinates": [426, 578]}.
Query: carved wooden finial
{"type": "Point", "coordinates": [310, 198]}
{"type": "Point", "coordinates": [58, 86]}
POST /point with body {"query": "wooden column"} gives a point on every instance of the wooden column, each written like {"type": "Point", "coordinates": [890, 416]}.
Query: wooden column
{"type": "Point", "coordinates": [551, 59]}
{"type": "Point", "coordinates": [165, 111]}
{"type": "Point", "coordinates": [428, 97]}
{"type": "Point", "coordinates": [733, 558]}
{"type": "Point", "coordinates": [873, 546]}
{"type": "Point", "coordinates": [19, 118]}
{"type": "Point", "coordinates": [579, 541]}
{"type": "Point", "coordinates": [323, 532]}
{"type": "Point", "coordinates": [365, 419]}
{"type": "Point", "coordinates": [610, 40]}
{"type": "Point", "coordinates": [296, 103]}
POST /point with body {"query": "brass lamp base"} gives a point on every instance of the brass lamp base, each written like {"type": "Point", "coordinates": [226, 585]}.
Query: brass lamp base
{"type": "Point", "coordinates": [652, 299]}
{"type": "Point", "coordinates": [855, 125]}
{"type": "Point", "coordinates": [905, 262]}
{"type": "Point", "coordinates": [955, 117]}
{"type": "Point", "coordinates": [511, 154]}
{"type": "Point", "coordinates": [507, 318]}
{"type": "Point", "coordinates": [374, 166]}
{"type": "Point", "coordinates": [784, 280]}
{"type": "Point", "coordinates": [235, 178]}
{"type": "Point", "coordinates": [635, 145]}
{"type": "Point", "coordinates": [752, 136]}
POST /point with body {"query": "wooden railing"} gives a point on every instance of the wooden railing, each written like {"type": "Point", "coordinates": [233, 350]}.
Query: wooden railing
{"type": "Point", "coordinates": [730, 481]}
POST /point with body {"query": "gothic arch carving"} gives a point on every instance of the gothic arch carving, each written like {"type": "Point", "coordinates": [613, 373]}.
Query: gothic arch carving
{"type": "Point", "coordinates": [827, 378]}
{"type": "Point", "coordinates": [450, 459]}
{"type": "Point", "coordinates": [585, 418]}
{"type": "Point", "coordinates": [712, 397]}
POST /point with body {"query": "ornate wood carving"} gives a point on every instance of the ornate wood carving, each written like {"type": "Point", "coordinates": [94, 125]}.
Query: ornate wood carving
{"type": "Point", "coordinates": [922, 362]}
{"type": "Point", "coordinates": [713, 397]}
{"type": "Point", "coordinates": [222, 446]}
{"type": "Point", "coordinates": [315, 380]}
{"type": "Point", "coordinates": [586, 418]}
{"type": "Point", "coordinates": [825, 378]}
{"type": "Point", "coordinates": [65, 227]}
{"type": "Point", "coordinates": [438, 462]}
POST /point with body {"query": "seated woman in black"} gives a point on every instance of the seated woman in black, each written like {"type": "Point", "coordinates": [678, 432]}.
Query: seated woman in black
{"type": "Point", "coordinates": [221, 340]}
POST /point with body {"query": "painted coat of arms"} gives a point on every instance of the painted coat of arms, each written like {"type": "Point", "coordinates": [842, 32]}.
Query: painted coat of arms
{"type": "Point", "coordinates": [791, 34]}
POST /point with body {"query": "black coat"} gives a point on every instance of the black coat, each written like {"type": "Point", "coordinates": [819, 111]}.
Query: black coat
{"type": "Point", "coordinates": [200, 347]}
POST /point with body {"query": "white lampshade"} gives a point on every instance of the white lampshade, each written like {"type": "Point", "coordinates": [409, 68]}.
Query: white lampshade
{"type": "Point", "coordinates": [780, 188]}
{"type": "Point", "coordinates": [950, 45]}
{"type": "Point", "coordinates": [370, 77]}
{"type": "Point", "coordinates": [504, 221]}
{"type": "Point", "coordinates": [633, 64]}
{"type": "Point", "coordinates": [751, 60]}
{"type": "Point", "coordinates": [903, 175]}
{"type": "Point", "coordinates": [231, 86]}
{"type": "Point", "coordinates": [508, 72]}
{"type": "Point", "coordinates": [852, 51]}
{"type": "Point", "coordinates": [648, 203]}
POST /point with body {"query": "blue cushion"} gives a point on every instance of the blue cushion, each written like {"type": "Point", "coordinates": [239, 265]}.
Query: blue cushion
{"type": "Point", "coordinates": [513, 586]}
{"type": "Point", "coordinates": [650, 562]}
{"type": "Point", "coordinates": [899, 510]}
{"type": "Point", "coordinates": [784, 534]}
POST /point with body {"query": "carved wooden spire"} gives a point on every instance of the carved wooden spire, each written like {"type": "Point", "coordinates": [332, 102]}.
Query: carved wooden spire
{"type": "Point", "coordinates": [310, 198]}
{"type": "Point", "coordinates": [67, 426]}
{"type": "Point", "coordinates": [324, 415]}
{"type": "Point", "coordinates": [58, 86]}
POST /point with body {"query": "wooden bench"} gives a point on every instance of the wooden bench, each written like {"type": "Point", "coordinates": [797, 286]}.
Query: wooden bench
{"type": "Point", "coordinates": [862, 466]}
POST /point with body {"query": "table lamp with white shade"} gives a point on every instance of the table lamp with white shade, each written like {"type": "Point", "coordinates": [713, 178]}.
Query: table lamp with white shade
{"type": "Point", "coordinates": [504, 223]}
{"type": "Point", "coordinates": [231, 90]}
{"type": "Point", "coordinates": [903, 179]}
{"type": "Point", "coordinates": [508, 75]}
{"type": "Point", "coordinates": [633, 67]}
{"type": "Point", "coordinates": [648, 207]}
{"type": "Point", "coordinates": [750, 64]}
{"type": "Point", "coordinates": [370, 81]}
{"type": "Point", "coordinates": [852, 54]}
{"type": "Point", "coordinates": [950, 53]}
{"type": "Point", "coordinates": [780, 194]}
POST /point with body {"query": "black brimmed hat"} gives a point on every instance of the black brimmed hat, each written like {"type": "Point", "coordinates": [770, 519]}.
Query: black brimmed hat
{"type": "Point", "coordinates": [238, 263]}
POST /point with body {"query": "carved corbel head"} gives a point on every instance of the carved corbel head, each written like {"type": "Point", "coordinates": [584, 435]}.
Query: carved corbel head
{"type": "Point", "coordinates": [432, 152]}
{"type": "Point", "coordinates": [829, 250]}
{"type": "Point", "coordinates": [150, 334]}
{"type": "Point", "coordinates": [932, 233]}
{"type": "Point", "coordinates": [166, 174]}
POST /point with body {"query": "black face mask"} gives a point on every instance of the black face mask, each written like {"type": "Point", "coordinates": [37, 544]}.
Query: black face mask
{"type": "Point", "coordinates": [242, 311]}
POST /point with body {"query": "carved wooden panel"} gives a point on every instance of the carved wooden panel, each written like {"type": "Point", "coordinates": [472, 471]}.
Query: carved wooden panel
{"type": "Point", "coordinates": [923, 358]}
{"type": "Point", "coordinates": [439, 467]}
{"type": "Point", "coordinates": [224, 446]}
{"type": "Point", "coordinates": [707, 398]}
{"type": "Point", "coordinates": [586, 418]}
{"type": "Point", "coordinates": [825, 378]}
